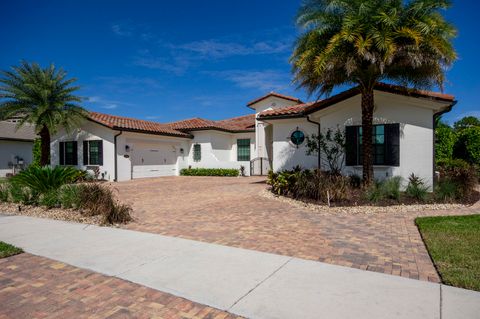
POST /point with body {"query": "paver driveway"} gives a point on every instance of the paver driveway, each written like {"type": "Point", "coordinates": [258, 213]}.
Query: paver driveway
{"type": "Point", "coordinates": [231, 211]}
{"type": "Point", "coordinates": [37, 287]}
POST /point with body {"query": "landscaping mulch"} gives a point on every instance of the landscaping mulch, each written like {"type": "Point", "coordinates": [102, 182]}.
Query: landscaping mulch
{"type": "Point", "coordinates": [70, 215]}
{"type": "Point", "coordinates": [361, 208]}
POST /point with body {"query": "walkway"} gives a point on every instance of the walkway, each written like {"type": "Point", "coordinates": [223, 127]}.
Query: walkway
{"type": "Point", "coordinates": [232, 212]}
{"type": "Point", "coordinates": [243, 282]}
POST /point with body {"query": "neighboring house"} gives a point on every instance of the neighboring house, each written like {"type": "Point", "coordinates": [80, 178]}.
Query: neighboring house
{"type": "Point", "coordinates": [273, 137]}
{"type": "Point", "coordinates": [16, 146]}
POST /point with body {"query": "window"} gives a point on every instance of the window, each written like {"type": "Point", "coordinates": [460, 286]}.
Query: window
{"type": "Point", "coordinates": [243, 149]}
{"type": "Point", "coordinates": [386, 145]}
{"type": "Point", "coordinates": [93, 152]}
{"type": "Point", "coordinates": [68, 153]}
{"type": "Point", "coordinates": [297, 137]}
{"type": "Point", "coordinates": [197, 152]}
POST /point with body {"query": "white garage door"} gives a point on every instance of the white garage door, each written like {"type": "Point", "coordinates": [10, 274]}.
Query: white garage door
{"type": "Point", "coordinates": [153, 160]}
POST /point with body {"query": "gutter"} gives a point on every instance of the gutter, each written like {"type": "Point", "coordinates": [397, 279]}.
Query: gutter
{"type": "Point", "coordinates": [116, 156]}
{"type": "Point", "coordinates": [435, 116]}
{"type": "Point", "coordinates": [318, 124]}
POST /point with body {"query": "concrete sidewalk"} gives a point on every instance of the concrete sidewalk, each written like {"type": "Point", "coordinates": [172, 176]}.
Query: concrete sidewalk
{"type": "Point", "coordinates": [244, 282]}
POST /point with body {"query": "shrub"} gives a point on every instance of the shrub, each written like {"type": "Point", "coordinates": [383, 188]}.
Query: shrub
{"type": "Point", "coordinates": [467, 146]}
{"type": "Point", "coordinates": [119, 214]}
{"type": "Point", "coordinates": [445, 140]}
{"type": "Point", "coordinates": [459, 172]}
{"type": "Point", "coordinates": [96, 199]}
{"type": "Point", "coordinates": [23, 195]}
{"type": "Point", "coordinates": [416, 188]}
{"type": "Point", "coordinates": [209, 172]}
{"type": "Point", "coordinates": [355, 181]}
{"type": "Point", "coordinates": [446, 190]}
{"type": "Point", "coordinates": [69, 196]}
{"type": "Point", "coordinates": [4, 192]}
{"type": "Point", "coordinates": [391, 187]}
{"type": "Point", "coordinates": [386, 189]}
{"type": "Point", "coordinates": [49, 199]}
{"type": "Point", "coordinates": [42, 180]}
{"type": "Point", "coordinates": [309, 184]}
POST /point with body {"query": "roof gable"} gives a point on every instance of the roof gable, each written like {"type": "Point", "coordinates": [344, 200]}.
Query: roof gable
{"type": "Point", "coordinates": [301, 110]}
{"type": "Point", "coordinates": [278, 95]}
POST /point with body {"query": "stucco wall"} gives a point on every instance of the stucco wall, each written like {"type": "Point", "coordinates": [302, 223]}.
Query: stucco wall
{"type": "Point", "coordinates": [416, 131]}
{"type": "Point", "coordinates": [286, 155]}
{"type": "Point", "coordinates": [219, 149]}
{"type": "Point", "coordinates": [89, 131]}
{"type": "Point", "coordinates": [9, 150]}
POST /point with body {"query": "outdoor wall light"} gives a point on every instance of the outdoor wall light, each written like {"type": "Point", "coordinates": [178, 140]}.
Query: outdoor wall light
{"type": "Point", "coordinates": [127, 148]}
{"type": "Point", "coordinates": [182, 151]}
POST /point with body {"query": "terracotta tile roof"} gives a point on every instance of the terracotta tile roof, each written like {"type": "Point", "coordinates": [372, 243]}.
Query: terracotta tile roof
{"type": "Point", "coordinates": [286, 97]}
{"type": "Point", "coordinates": [288, 110]}
{"type": "Point", "coordinates": [239, 123]}
{"type": "Point", "coordinates": [9, 131]}
{"type": "Point", "coordinates": [134, 125]}
{"type": "Point", "coordinates": [244, 123]}
{"type": "Point", "coordinates": [307, 108]}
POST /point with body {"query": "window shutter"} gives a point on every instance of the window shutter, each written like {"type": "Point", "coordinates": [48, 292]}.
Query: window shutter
{"type": "Point", "coordinates": [351, 145]}
{"type": "Point", "coordinates": [62, 153]}
{"type": "Point", "coordinates": [392, 139]}
{"type": "Point", "coordinates": [100, 152]}
{"type": "Point", "coordinates": [85, 152]}
{"type": "Point", "coordinates": [75, 153]}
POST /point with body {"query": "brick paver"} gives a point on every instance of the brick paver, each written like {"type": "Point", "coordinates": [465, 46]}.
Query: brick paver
{"type": "Point", "coordinates": [37, 287]}
{"type": "Point", "coordinates": [231, 211]}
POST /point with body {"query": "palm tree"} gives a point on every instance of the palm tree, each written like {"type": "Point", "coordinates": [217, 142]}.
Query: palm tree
{"type": "Point", "coordinates": [363, 42]}
{"type": "Point", "coordinates": [43, 98]}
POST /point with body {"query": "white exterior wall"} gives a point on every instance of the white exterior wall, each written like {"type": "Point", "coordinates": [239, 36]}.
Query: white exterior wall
{"type": "Point", "coordinates": [170, 160]}
{"type": "Point", "coordinates": [269, 103]}
{"type": "Point", "coordinates": [286, 155]}
{"type": "Point", "coordinates": [11, 149]}
{"type": "Point", "coordinates": [219, 149]}
{"type": "Point", "coordinates": [89, 131]}
{"type": "Point", "coordinates": [94, 131]}
{"type": "Point", "coordinates": [416, 131]}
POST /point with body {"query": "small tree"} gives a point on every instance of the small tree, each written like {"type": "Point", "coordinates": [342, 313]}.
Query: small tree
{"type": "Point", "coordinates": [466, 122]}
{"type": "Point", "coordinates": [445, 140]}
{"type": "Point", "coordinates": [467, 146]}
{"type": "Point", "coordinates": [331, 147]}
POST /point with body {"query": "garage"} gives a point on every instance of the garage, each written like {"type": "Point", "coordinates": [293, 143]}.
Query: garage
{"type": "Point", "coordinates": [154, 160]}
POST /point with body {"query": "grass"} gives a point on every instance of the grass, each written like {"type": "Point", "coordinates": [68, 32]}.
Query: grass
{"type": "Point", "coordinates": [7, 250]}
{"type": "Point", "coordinates": [454, 245]}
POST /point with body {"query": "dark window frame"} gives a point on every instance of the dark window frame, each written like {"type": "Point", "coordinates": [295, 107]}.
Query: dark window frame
{"type": "Point", "coordinates": [68, 158]}
{"type": "Point", "coordinates": [89, 153]}
{"type": "Point", "coordinates": [197, 152]}
{"type": "Point", "coordinates": [386, 145]}
{"type": "Point", "coordinates": [243, 144]}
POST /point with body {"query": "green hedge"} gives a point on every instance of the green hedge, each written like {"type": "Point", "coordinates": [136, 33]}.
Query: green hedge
{"type": "Point", "coordinates": [209, 172]}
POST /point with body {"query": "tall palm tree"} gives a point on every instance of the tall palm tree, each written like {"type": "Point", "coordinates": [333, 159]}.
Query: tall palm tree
{"type": "Point", "coordinates": [42, 97]}
{"type": "Point", "coordinates": [363, 42]}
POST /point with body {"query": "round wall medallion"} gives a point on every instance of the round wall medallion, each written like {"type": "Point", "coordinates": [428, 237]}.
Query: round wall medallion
{"type": "Point", "coordinates": [297, 137]}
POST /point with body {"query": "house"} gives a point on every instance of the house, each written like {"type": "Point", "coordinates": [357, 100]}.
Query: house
{"type": "Point", "coordinates": [273, 137]}
{"type": "Point", "coordinates": [16, 146]}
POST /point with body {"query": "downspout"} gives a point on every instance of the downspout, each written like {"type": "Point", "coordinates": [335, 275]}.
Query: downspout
{"type": "Point", "coordinates": [319, 131]}
{"type": "Point", "coordinates": [435, 116]}
{"type": "Point", "coordinates": [115, 151]}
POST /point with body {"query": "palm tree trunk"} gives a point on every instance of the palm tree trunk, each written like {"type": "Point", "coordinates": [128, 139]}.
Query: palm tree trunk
{"type": "Point", "coordinates": [44, 146]}
{"type": "Point", "coordinates": [367, 128]}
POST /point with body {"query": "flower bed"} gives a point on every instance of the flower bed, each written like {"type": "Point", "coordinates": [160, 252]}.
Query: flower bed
{"type": "Point", "coordinates": [209, 172]}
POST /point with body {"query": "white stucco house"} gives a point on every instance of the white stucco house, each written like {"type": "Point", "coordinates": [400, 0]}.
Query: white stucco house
{"type": "Point", "coordinates": [270, 138]}
{"type": "Point", "coordinates": [16, 146]}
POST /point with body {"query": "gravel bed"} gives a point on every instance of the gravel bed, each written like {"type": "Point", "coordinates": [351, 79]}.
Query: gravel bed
{"type": "Point", "coordinates": [70, 215]}
{"type": "Point", "coordinates": [363, 209]}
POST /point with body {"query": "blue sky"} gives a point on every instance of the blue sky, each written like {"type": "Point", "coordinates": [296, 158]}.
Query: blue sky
{"type": "Point", "coordinates": [170, 60]}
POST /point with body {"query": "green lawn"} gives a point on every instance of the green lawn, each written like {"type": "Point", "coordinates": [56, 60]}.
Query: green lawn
{"type": "Point", "coordinates": [7, 250]}
{"type": "Point", "coordinates": [454, 245]}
